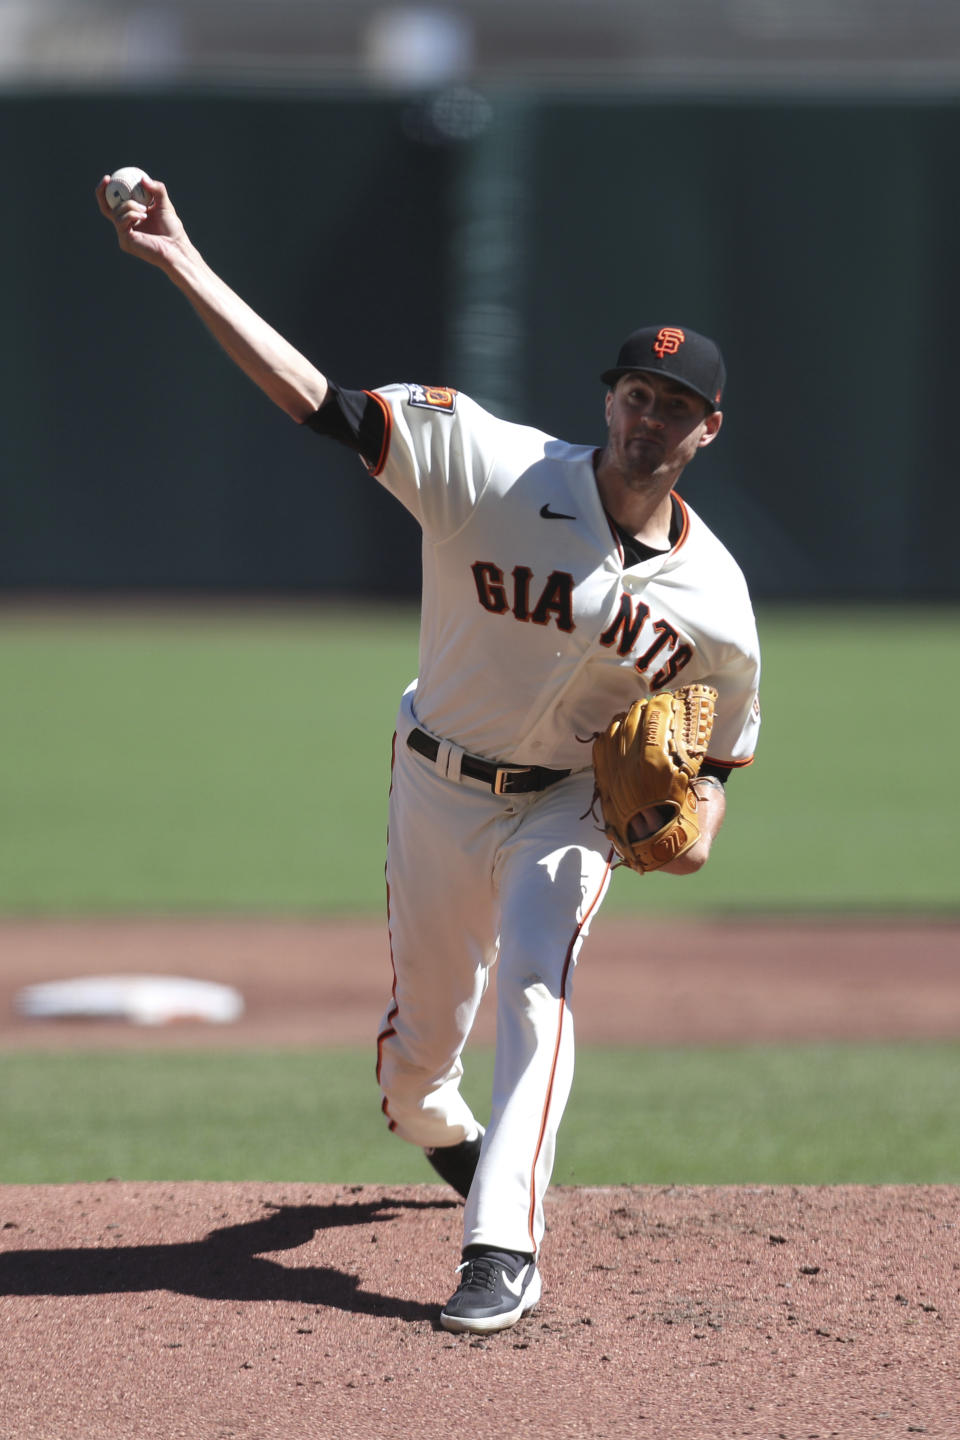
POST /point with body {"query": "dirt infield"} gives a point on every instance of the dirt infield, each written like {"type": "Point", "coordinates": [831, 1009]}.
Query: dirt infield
{"type": "Point", "coordinates": [208, 1311]}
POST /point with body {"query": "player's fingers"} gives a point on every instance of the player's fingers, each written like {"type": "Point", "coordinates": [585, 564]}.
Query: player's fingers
{"type": "Point", "coordinates": [124, 215]}
{"type": "Point", "coordinates": [131, 214]}
{"type": "Point", "coordinates": [101, 194]}
{"type": "Point", "coordinates": [128, 220]}
{"type": "Point", "coordinates": [649, 820]}
{"type": "Point", "coordinates": [154, 188]}
{"type": "Point", "coordinates": [158, 199]}
{"type": "Point", "coordinates": [129, 232]}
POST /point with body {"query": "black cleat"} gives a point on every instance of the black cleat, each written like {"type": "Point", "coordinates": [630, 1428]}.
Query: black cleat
{"type": "Point", "coordinates": [457, 1164]}
{"type": "Point", "coordinates": [496, 1288]}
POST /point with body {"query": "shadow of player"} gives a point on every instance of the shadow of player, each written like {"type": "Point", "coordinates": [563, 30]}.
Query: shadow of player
{"type": "Point", "coordinates": [227, 1264]}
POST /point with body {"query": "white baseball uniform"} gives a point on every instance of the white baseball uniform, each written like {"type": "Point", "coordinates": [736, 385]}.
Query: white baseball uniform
{"type": "Point", "coordinates": [533, 633]}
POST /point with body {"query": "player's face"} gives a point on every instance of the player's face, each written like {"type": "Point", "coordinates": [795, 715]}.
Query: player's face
{"type": "Point", "coordinates": [656, 425]}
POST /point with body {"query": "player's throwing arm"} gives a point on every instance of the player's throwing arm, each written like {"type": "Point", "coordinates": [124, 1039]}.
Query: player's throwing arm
{"type": "Point", "coordinates": [149, 228]}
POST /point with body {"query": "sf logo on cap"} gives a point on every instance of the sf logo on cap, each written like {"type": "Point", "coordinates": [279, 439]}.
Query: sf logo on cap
{"type": "Point", "coordinates": [668, 341]}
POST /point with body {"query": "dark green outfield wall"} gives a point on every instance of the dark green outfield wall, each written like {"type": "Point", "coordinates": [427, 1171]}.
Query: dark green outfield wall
{"type": "Point", "coordinates": [817, 241]}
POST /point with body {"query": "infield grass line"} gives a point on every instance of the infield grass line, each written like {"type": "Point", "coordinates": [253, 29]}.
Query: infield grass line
{"type": "Point", "coordinates": [804, 1115]}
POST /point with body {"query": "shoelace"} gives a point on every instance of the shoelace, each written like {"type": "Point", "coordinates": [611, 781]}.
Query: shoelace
{"type": "Point", "coordinates": [480, 1273]}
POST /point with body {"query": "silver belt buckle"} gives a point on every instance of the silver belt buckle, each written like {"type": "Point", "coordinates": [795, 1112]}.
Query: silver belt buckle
{"type": "Point", "coordinates": [501, 784]}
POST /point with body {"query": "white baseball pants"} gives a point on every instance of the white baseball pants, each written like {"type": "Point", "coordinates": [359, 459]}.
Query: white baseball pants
{"type": "Point", "coordinates": [472, 879]}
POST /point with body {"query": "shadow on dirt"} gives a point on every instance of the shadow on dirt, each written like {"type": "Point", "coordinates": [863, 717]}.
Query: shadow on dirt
{"type": "Point", "coordinates": [227, 1264]}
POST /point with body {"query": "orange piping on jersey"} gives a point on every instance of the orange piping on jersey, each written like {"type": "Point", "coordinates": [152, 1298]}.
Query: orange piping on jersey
{"type": "Point", "coordinates": [389, 1029]}
{"type": "Point", "coordinates": [733, 764]}
{"type": "Point", "coordinates": [387, 432]}
{"type": "Point", "coordinates": [613, 532]}
{"type": "Point", "coordinates": [685, 530]}
{"type": "Point", "coordinates": [556, 1050]}
{"type": "Point", "coordinates": [386, 1034]}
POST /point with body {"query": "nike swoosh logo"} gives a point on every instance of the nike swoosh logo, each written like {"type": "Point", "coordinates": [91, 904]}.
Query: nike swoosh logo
{"type": "Point", "coordinates": [547, 514]}
{"type": "Point", "coordinates": [515, 1286]}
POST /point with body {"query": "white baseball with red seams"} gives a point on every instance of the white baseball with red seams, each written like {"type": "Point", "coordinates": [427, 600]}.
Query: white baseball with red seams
{"type": "Point", "coordinates": [523, 580]}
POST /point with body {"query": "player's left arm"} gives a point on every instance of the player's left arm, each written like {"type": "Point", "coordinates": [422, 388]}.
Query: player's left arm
{"type": "Point", "coordinates": [711, 809]}
{"type": "Point", "coordinates": [732, 745]}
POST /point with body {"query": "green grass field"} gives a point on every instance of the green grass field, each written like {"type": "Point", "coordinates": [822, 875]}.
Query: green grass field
{"type": "Point", "coordinates": [198, 762]}
{"type": "Point", "coordinates": [826, 1114]}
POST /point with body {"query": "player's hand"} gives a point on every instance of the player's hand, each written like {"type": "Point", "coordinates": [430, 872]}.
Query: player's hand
{"type": "Point", "coordinates": [152, 232]}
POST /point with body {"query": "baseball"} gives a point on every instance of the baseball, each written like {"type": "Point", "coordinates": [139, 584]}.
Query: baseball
{"type": "Point", "coordinates": [125, 184]}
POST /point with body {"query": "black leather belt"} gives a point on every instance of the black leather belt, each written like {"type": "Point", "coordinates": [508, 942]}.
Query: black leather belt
{"type": "Point", "coordinates": [502, 779]}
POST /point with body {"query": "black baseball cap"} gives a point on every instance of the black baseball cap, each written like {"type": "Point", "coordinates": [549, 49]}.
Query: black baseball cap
{"type": "Point", "coordinates": [676, 352]}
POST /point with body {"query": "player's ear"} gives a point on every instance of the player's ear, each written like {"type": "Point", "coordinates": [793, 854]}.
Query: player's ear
{"type": "Point", "coordinates": [711, 428]}
{"type": "Point", "coordinates": [608, 405]}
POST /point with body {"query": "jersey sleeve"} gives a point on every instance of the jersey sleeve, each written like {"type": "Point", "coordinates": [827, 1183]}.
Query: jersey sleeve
{"type": "Point", "coordinates": [438, 452]}
{"type": "Point", "coordinates": [736, 727]}
{"type": "Point", "coordinates": [354, 418]}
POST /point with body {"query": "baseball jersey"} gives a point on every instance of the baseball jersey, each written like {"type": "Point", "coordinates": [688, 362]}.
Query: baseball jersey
{"type": "Point", "coordinates": [534, 629]}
